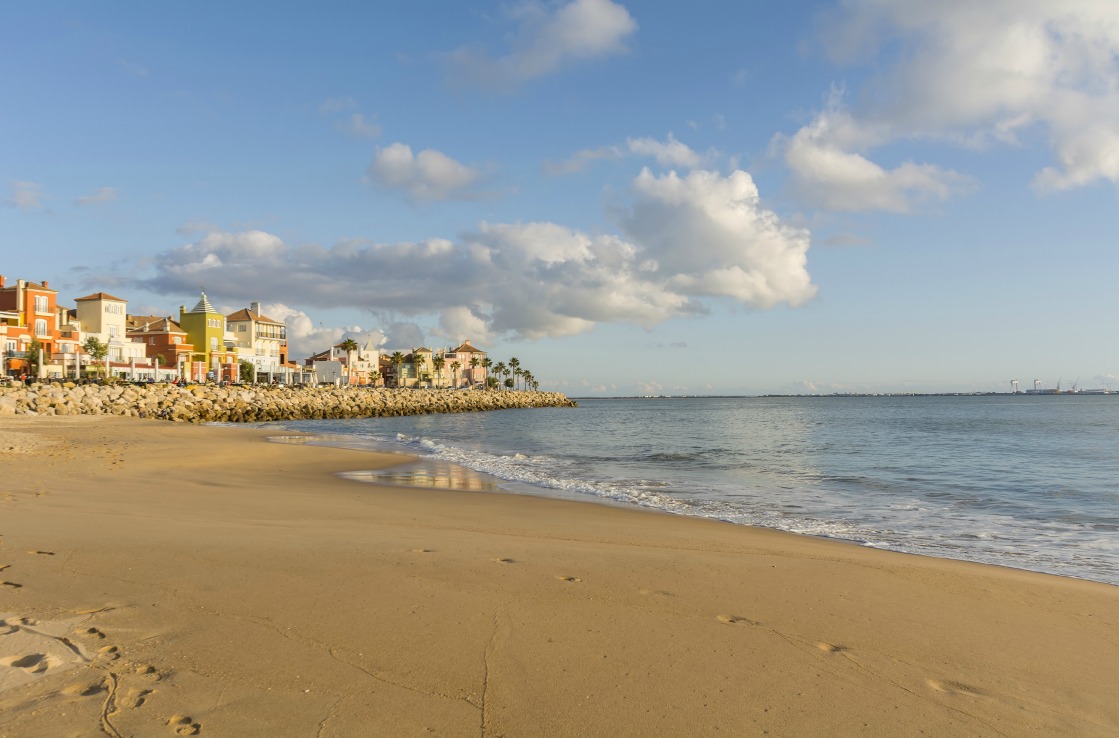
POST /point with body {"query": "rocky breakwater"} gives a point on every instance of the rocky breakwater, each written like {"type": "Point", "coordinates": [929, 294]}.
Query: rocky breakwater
{"type": "Point", "coordinates": [253, 404]}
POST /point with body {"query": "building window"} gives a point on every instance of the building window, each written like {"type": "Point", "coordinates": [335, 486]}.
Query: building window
{"type": "Point", "coordinates": [41, 305]}
{"type": "Point", "coordinates": [40, 327]}
{"type": "Point", "coordinates": [241, 328]}
{"type": "Point", "coordinates": [213, 344]}
{"type": "Point", "coordinates": [11, 347]}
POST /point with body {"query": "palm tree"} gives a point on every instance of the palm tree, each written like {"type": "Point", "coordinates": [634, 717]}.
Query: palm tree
{"type": "Point", "coordinates": [528, 379]}
{"type": "Point", "coordinates": [474, 362]}
{"type": "Point", "coordinates": [455, 366]}
{"type": "Point", "coordinates": [397, 361]}
{"type": "Point", "coordinates": [349, 346]}
{"type": "Point", "coordinates": [515, 367]}
{"type": "Point", "coordinates": [499, 368]}
{"type": "Point", "coordinates": [438, 362]}
{"type": "Point", "coordinates": [486, 364]}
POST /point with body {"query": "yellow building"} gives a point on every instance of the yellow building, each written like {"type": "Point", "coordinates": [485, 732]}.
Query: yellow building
{"type": "Point", "coordinates": [214, 356]}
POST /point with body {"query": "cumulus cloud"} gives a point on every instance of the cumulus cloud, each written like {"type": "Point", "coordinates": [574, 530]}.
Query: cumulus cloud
{"type": "Point", "coordinates": [970, 74]}
{"type": "Point", "coordinates": [25, 196]}
{"type": "Point", "coordinates": [105, 194]}
{"type": "Point", "coordinates": [829, 175]}
{"type": "Point", "coordinates": [684, 241]}
{"type": "Point", "coordinates": [428, 175]}
{"type": "Point", "coordinates": [547, 40]}
{"type": "Point", "coordinates": [670, 152]}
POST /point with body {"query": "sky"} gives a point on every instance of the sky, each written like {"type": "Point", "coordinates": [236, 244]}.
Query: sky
{"type": "Point", "coordinates": [632, 198]}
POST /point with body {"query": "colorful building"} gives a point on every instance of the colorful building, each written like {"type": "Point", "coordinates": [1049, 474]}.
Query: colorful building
{"type": "Point", "coordinates": [214, 355]}
{"type": "Point", "coordinates": [260, 340]}
{"type": "Point", "coordinates": [28, 312]}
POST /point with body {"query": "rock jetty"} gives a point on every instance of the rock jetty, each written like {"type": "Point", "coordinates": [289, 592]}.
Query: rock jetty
{"type": "Point", "coordinates": [254, 404]}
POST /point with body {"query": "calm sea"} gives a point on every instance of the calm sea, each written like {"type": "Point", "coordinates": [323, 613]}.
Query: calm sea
{"type": "Point", "coordinates": [1030, 482]}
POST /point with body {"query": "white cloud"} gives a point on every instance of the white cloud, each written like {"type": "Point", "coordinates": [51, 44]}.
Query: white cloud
{"type": "Point", "coordinates": [25, 196]}
{"type": "Point", "coordinates": [710, 236]}
{"type": "Point", "coordinates": [428, 175]}
{"type": "Point", "coordinates": [828, 176]}
{"type": "Point", "coordinates": [193, 227]}
{"type": "Point", "coordinates": [582, 159]}
{"type": "Point", "coordinates": [685, 239]}
{"type": "Point", "coordinates": [547, 40]}
{"type": "Point", "coordinates": [669, 152]}
{"type": "Point", "coordinates": [356, 125]}
{"type": "Point", "coordinates": [973, 74]}
{"type": "Point", "coordinates": [105, 194]}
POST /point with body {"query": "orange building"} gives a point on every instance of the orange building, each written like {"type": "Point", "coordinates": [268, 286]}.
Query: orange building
{"type": "Point", "coordinates": [163, 338]}
{"type": "Point", "coordinates": [28, 311]}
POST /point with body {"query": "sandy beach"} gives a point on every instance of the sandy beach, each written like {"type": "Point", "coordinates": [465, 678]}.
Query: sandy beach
{"type": "Point", "coordinates": [172, 579]}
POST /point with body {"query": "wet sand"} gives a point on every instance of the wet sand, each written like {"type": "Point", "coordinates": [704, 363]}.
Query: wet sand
{"type": "Point", "coordinates": [169, 579]}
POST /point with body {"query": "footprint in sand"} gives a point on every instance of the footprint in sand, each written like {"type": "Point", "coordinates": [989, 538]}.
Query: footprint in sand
{"type": "Point", "coordinates": [92, 633]}
{"type": "Point", "coordinates": [829, 647]}
{"type": "Point", "coordinates": [86, 690]}
{"type": "Point", "coordinates": [505, 561]}
{"type": "Point", "coordinates": [4, 566]}
{"type": "Point", "coordinates": [42, 553]}
{"type": "Point", "coordinates": [149, 672]}
{"type": "Point", "coordinates": [183, 725]}
{"type": "Point", "coordinates": [136, 698]}
{"type": "Point", "coordinates": [569, 579]}
{"type": "Point", "coordinates": [422, 550]}
{"type": "Point", "coordinates": [32, 663]}
{"type": "Point", "coordinates": [736, 620]}
{"type": "Point", "coordinates": [948, 686]}
{"type": "Point", "coordinates": [109, 652]}
{"type": "Point", "coordinates": [11, 585]}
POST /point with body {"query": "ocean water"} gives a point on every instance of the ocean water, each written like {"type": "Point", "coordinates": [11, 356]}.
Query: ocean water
{"type": "Point", "coordinates": [1030, 482]}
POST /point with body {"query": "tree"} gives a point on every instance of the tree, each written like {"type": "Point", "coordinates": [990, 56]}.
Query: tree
{"type": "Point", "coordinates": [499, 368]}
{"type": "Point", "coordinates": [515, 368]}
{"type": "Point", "coordinates": [97, 350]}
{"type": "Point", "coordinates": [486, 364]}
{"type": "Point", "coordinates": [247, 370]}
{"type": "Point", "coordinates": [438, 363]}
{"type": "Point", "coordinates": [530, 381]}
{"type": "Point", "coordinates": [475, 362]}
{"type": "Point", "coordinates": [397, 361]}
{"type": "Point", "coordinates": [349, 346]}
{"type": "Point", "coordinates": [34, 353]}
{"type": "Point", "coordinates": [455, 366]}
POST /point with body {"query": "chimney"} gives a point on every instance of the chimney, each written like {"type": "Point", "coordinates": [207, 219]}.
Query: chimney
{"type": "Point", "coordinates": [254, 307]}
{"type": "Point", "coordinates": [1, 281]}
{"type": "Point", "coordinates": [46, 285]}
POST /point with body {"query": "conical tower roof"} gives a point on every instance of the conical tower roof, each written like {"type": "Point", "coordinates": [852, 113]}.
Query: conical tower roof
{"type": "Point", "coordinates": [204, 306]}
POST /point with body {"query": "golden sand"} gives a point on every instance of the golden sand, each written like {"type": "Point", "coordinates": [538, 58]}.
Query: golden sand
{"type": "Point", "coordinates": [163, 579]}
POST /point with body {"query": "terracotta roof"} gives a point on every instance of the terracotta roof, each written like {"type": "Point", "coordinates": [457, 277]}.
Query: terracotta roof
{"type": "Point", "coordinates": [466, 348]}
{"type": "Point", "coordinates": [246, 314]}
{"type": "Point", "coordinates": [153, 323]}
{"type": "Point", "coordinates": [101, 296]}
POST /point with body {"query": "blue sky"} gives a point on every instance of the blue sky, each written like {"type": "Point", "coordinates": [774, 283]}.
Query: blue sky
{"type": "Point", "coordinates": [649, 198]}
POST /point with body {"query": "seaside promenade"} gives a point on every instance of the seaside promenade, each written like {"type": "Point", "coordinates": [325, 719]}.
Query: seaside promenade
{"type": "Point", "coordinates": [165, 578]}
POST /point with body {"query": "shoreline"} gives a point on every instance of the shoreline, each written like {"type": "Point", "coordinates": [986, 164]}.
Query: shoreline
{"type": "Point", "coordinates": [501, 485]}
{"type": "Point", "coordinates": [206, 575]}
